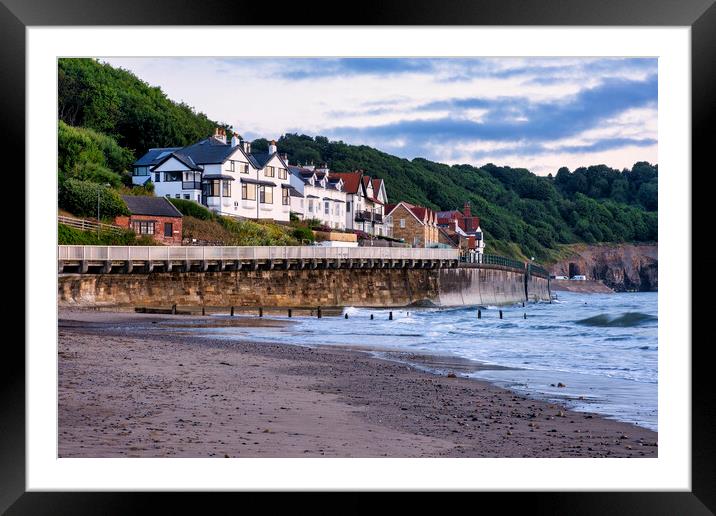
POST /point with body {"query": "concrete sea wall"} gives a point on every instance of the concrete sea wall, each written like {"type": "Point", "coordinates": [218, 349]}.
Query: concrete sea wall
{"type": "Point", "coordinates": [487, 285]}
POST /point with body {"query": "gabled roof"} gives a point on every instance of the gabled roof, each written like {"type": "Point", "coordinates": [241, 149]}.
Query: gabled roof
{"type": "Point", "coordinates": [351, 180]}
{"type": "Point", "coordinates": [261, 158]}
{"type": "Point", "coordinates": [210, 151]}
{"type": "Point", "coordinates": [421, 213]}
{"type": "Point", "coordinates": [153, 156]}
{"type": "Point", "coordinates": [182, 158]}
{"type": "Point", "coordinates": [150, 205]}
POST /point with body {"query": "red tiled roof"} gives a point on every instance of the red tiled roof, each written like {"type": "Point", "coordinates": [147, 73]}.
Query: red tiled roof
{"type": "Point", "coordinates": [351, 180]}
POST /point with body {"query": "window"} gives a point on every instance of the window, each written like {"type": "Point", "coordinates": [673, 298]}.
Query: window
{"type": "Point", "coordinates": [141, 171]}
{"type": "Point", "coordinates": [310, 205]}
{"type": "Point", "coordinates": [168, 229]}
{"type": "Point", "coordinates": [270, 172]}
{"type": "Point", "coordinates": [178, 196]}
{"type": "Point", "coordinates": [248, 191]}
{"type": "Point", "coordinates": [266, 194]}
{"type": "Point", "coordinates": [348, 206]}
{"type": "Point", "coordinates": [285, 196]}
{"type": "Point", "coordinates": [402, 223]}
{"type": "Point", "coordinates": [326, 208]}
{"type": "Point", "coordinates": [210, 188]}
{"type": "Point", "coordinates": [227, 188]}
{"type": "Point", "coordinates": [232, 166]}
{"type": "Point", "coordinates": [168, 196]}
{"type": "Point", "coordinates": [172, 176]}
{"type": "Point", "coordinates": [282, 173]}
{"type": "Point", "coordinates": [246, 168]}
{"type": "Point", "coordinates": [143, 227]}
{"type": "Point", "coordinates": [157, 176]}
{"type": "Point", "coordinates": [187, 196]}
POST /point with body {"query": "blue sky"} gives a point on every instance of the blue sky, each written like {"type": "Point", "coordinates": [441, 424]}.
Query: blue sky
{"type": "Point", "coordinates": [538, 113]}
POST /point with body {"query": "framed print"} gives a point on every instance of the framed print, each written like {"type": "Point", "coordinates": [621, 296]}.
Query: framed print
{"type": "Point", "coordinates": [421, 257]}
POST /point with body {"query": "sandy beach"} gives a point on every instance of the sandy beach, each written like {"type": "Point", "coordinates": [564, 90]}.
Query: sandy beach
{"type": "Point", "coordinates": [139, 385]}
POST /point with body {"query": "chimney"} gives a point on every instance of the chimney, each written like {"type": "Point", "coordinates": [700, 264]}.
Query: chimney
{"type": "Point", "coordinates": [234, 140]}
{"type": "Point", "coordinates": [284, 157]}
{"type": "Point", "coordinates": [220, 134]}
{"type": "Point", "coordinates": [247, 146]}
{"type": "Point", "coordinates": [466, 209]}
{"type": "Point", "coordinates": [272, 147]}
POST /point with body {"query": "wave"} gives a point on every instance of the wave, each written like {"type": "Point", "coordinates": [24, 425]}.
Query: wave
{"type": "Point", "coordinates": [626, 320]}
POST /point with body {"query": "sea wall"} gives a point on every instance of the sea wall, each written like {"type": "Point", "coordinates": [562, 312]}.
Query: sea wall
{"type": "Point", "coordinates": [304, 288]}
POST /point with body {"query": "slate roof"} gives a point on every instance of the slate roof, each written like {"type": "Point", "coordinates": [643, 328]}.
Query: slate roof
{"type": "Point", "coordinates": [146, 205]}
{"type": "Point", "coordinates": [183, 158]}
{"type": "Point", "coordinates": [261, 158]}
{"type": "Point", "coordinates": [207, 151]}
{"type": "Point", "coordinates": [153, 156]}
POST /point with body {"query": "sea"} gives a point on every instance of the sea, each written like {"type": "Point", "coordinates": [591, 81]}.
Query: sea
{"type": "Point", "coordinates": [590, 352]}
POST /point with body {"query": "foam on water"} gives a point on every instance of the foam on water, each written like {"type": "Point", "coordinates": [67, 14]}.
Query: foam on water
{"type": "Point", "coordinates": [603, 347]}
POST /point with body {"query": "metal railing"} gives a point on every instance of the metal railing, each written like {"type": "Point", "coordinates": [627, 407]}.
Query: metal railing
{"type": "Point", "coordinates": [176, 253]}
{"type": "Point", "coordinates": [87, 225]}
{"type": "Point", "coordinates": [491, 259]}
{"type": "Point", "coordinates": [538, 270]}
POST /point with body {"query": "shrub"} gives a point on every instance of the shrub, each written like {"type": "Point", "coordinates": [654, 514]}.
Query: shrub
{"type": "Point", "coordinates": [80, 198]}
{"type": "Point", "coordinates": [192, 209]}
{"type": "Point", "coordinates": [89, 155]}
{"type": "Point", "coordinates": [67, 235]}
{"type": "Point", "coordinates": [302, 233]}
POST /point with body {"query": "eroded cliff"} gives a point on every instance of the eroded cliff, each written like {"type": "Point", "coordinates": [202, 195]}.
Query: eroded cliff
{"type": "Point", "coordinates": [622, 267]}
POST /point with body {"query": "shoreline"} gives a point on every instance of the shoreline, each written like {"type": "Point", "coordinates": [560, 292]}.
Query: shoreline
{"type": "Point", "coordinates": [162, 393]}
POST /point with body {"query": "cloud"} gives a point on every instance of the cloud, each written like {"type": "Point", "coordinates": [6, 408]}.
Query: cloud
{"type": "Point", "coordinates": [512, 110]}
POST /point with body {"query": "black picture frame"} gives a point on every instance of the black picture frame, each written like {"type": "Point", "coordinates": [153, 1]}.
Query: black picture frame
{"type": "Point", "coordinates": [699, 15]}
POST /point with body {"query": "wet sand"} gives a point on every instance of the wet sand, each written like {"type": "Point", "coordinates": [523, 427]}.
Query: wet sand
{"type": "Point", "coordinates": [136, 385]}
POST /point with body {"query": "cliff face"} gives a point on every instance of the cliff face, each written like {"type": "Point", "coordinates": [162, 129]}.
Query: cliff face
{"type": "Point", "coordinates": [623, 267]}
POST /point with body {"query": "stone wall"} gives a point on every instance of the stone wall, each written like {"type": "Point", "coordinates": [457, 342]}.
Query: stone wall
{"type": "Point", "coordinates": [301, 288]}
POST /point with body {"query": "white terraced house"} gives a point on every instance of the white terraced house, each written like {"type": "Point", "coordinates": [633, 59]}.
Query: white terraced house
{"type": "Point", "coordinates": [225, 177]}
{"type": "Point", "coordinates": [365, 203]}
{"type": "Point", "coordinates": [323, 196]}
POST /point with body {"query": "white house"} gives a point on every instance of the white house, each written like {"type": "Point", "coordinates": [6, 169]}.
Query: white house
{"type": "Point", "coordinates": [323, 196]}
{"type": "Point", "coordinates": [225, 177]}
{"type": "Point", "coordinates": [365, 202]}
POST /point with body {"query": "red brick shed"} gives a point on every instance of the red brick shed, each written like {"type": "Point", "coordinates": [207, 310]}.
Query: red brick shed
{"type": "Point", "coordinates": [152, 216]}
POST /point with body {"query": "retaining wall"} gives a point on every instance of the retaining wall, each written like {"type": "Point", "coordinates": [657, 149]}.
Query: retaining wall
{"type": "Point", "coordinates": [492, 285]}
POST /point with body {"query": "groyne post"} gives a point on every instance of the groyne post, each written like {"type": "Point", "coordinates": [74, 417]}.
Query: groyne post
{"type": "Point", "coordinates": [290, 313]}
{"type": "Point", "coordinates": [346, 316]}
{"type": "Point", "coordinates": [319, 312]}
{"type": "Point", "coordinates": [500, 314]}
{"type": "Point", "coordinates": [371, 317]}
{"type": "Point", "coordinates": [479, 314]}
{"type": "Point", "coordinates": [390, 316]}
{"type": "Point", "coordinates": [174, 309]}
{"type": "Point", "coordinates": [261, 311]}
{"type": "Point", "coordinates": [232, 311]}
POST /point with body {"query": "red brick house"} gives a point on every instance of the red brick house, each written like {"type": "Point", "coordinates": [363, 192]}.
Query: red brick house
{"type": "Point", "coordinates": [462, 228]}
{"type": "Point", "coordinates": [152, 216]}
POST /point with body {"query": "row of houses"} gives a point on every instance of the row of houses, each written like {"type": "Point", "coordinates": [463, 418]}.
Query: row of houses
{"type": "Point", "coordinates": [230, 179]}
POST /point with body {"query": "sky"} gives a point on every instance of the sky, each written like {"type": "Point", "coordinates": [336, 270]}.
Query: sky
{"type": "Point", "coordinates": [536, 113]}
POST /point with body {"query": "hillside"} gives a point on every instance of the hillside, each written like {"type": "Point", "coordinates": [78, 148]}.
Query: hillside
{"type": "Point", "coordinates": [109, 117]}
{"type": "Point", "coordinates": [538, 214]}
